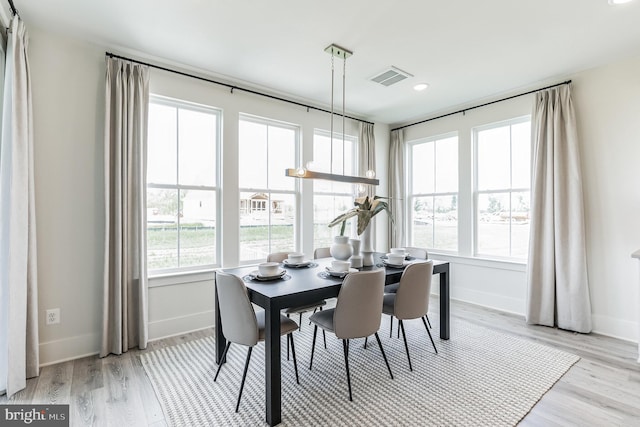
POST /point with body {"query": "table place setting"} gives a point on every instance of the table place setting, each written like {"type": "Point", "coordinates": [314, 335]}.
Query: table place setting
{"type": "Point", "coordinates": [339, 269]}
{"type": "Point", "coordinates": [267, 272]}
{"type": "Point", "coordinates": [296, 260]}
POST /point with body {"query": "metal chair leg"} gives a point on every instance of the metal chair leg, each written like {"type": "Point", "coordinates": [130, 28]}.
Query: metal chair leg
{"type": "Point", "coordinates": [324, 339]}
{"type": "Point", "coordinates": [244, 377]}
{"type": "Point", "coordinates": [287, 342]}
{"type": "Point", "coordinates": [391, 328]}
{"type": "Point", "coordinates": [300, 322]}
{"type": "Point", "coordinates": [427, 316]}
{"type": "Point", "coordinates": [365, 342]}
{"type": "Point", "coordinates": [430, 337]}
{"type": "Point", "coordinates": [345, 347]}
{"type": "Point", "coordinates": [313, 346]}
{"type": "Point", "coordinates": [384, 355]}
{"type": "Point", "coordinates": [406, 347]}
{"type": "Point", "coordinates": [293, 352]}
{"type": "Point", "coordinates": [224, 354]}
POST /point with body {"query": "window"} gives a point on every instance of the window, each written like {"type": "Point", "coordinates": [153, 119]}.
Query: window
{"type": "Point", "coordinates": [330, 198]}
{"type": "Point", "coordinates": [268, 207]}
{"type": "Point", "coordinates": [182, 193]}
{"type": "Point", "coordinates": [503, 175]}
{"type": "Point", "coordinates": [432, 194]}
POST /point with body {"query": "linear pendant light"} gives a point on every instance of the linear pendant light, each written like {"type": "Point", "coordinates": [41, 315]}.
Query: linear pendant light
{"type": "Point", "coordinates": [339, 52]}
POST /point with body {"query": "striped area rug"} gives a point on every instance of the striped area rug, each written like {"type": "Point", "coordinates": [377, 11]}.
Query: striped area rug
{"type": "Point", "coordinates": [480, 377]}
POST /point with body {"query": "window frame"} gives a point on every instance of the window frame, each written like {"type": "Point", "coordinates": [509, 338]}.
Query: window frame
{"type": "Point", "coordinates": [295, 192]}
{"type": "Point", "coordinates": [508, 191]}
{"type": "Point", "coordinates": [354, 166]}
{"type": "Point", "coordinates": [410, 196]}
{"type": "Point", "coordinates": [217, 113]}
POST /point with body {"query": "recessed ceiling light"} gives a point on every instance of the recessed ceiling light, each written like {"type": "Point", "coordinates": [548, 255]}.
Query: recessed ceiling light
{"type": "Point", "coordinates": [420, 87]}
{"type": "Point", "coordinates": [615, 2]}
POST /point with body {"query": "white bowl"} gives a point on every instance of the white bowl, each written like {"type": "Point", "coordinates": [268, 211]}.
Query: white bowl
{"type": "Point", "coordinates": [295, 258]}
{"type": "Point", "coordinates": [340, 266]}
{"type": "Point", "coordinates": [395, 259]}
{"type": "Point", "coordinates": [398, 251]}
{"type": "Point", "coordinates": [268, 269]}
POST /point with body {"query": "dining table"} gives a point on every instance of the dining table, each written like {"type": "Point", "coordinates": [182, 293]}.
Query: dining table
{"type": "Point", "coordinates": [301, 286]}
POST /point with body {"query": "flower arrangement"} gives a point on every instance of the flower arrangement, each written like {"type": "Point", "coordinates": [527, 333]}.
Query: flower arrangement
{"type": "Point", "coordinates": [365, 209]}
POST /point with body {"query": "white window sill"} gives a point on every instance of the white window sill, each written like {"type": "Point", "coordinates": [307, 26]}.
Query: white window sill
{"type": "Point", "coordinates": [180, 278]}
{"type": "Point", "coordinates": [511, 265]}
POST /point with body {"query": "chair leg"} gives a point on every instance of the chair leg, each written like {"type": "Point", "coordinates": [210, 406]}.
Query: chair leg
{"type": "Point", "coordinates": [365, 342]}
{"type": "Point", "coordinates": [406, 347]}
{"type": "Point", "coordinates": [324, 339]}
{"type": "Point", "coordinates": [345, 347]}
{"type": "Point", "coordinates": [430, 337]}
{"type": "Point", "coordinates": [427, 316]}
{"type": "Point", "coordinates": [287, 342]}
{"type": "Point", "coordinates": [223, 356]}
{"type": "Point", "coordinates": [293, 352]}
{"type": "Point", "coordinates": [384, 355]}
{"type": "Point", "coordinates": [300, 322]}
{"type": "Point", "coordinates": [244, 376]}
{"type": "Point", "coordinates": [391, 328]}
{"type": "Point", "coordinates": [313, 346]}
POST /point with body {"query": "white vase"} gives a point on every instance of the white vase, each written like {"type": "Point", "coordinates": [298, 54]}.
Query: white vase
{"type": "Point", "coordinates": [355, 244]}
{"type": "Point", "coordinates": [341, 249]}
{"type": "Point", "coordinates": [366, 247]}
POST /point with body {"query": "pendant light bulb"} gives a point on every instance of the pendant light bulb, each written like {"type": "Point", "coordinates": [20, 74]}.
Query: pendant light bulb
{"type": "Point", "coordinates": [301, 171]}
{"type": "Point", "coordinates": [370, 174]}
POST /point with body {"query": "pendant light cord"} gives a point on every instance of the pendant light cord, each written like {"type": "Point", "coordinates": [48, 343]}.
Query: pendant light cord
{"type": "Point", "coordinates": [331, 134]}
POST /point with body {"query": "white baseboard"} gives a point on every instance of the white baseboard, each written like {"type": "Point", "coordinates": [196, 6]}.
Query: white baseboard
{"type": "Point", "coordinates": [57, 351]}
{"type": "Point", "coordinates": [490, 300]}
{"type": "Point", "coordinates": [616, 328]}
{"type": "Point", "coordinates": [180, 325]}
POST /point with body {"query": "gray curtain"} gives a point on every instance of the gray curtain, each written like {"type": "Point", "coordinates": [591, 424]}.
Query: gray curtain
{"type": "Point", "coordinates": [367, 157]}
{"type": "Point", "coordinates": [124, 322]}
{"type": "Point", "coordinates": [397, 188]}
{"type": "Point", "coordinates": [557, 282]}
{"type": "Point", "coordinates": [18, 265]}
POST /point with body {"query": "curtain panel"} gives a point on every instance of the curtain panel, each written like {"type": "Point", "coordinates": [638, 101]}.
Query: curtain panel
{"type": "Point", "coordinates": [18, 264]}
{"type": "Point", "coordinates": [397, 189]}
{"type": "Point", "coordinates": [557, 282]}
{"type": "Point", "coordinates": [367, 157]}
{"type": "Point", "coordinates": [124, 323]}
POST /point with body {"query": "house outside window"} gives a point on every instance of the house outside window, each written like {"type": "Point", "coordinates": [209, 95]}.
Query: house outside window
{"type": "Point", "coordinates": [332, 198]}
{"type": "Point", "coordinates": [432, 193]}
{"type": "Point", "coordinates": [182, 186]}
{"type": "Point", "coordinates": [268, 199]}
{"type": "Point", "coordinates": [503, 188]}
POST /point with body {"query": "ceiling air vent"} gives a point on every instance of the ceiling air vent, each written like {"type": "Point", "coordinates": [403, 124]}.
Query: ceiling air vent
{"type": "Point", "coordinates": [390, 76]}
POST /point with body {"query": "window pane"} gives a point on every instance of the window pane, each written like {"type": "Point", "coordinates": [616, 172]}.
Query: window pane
{"type": "Point", "coordinates": [446, 223]}
{"type": "Point", "coordinates": [325, 209]}
{"type": "Point", "coordinates": [198, 228]}
{"type": "Point", "coordinates": [423, 164]}
{"type": "Point", "coordinates": [254, 226]}
{"type": "Point", "coordinates": [252, 155]}
{"type": "Point", "coordinates": [283, 217]}
{"type": "Point", "coordinates": [197, 145]}
{"type": "Point", "coordinates": [422, 222]}
{"type": "Point", "coordinates": [520, 224]}
{"type": "Point", "coordinates": [493, 224]}
{"type": "Point", "coordinates": [282, 155]}
{"type": "Point", "coordinates": [521, 157]}
{"type": "Point", "coordinates": [162, 145]}
{"type": "Point", "coordinates": [162, 231]}
{"type": "Point", "coordinates": [493, 159]}
{"type": "Point", "coordinates": [322, 162]}
{"type": "Point", "coordinates": [446, 165]}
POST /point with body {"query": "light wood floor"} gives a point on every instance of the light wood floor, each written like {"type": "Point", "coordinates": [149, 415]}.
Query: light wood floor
{"type": "Point", "coordinates": [602, 389]}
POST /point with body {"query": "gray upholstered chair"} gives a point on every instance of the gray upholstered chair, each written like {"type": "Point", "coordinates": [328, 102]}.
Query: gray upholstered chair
{"type": "Point", "coordinates": [279, 257]}
{"type": "Point", "coordinates": [356, 315]}
{"type": "Point", "coordinates": [417, 253]}
{"type": "Point", "coordinates": [411, 301]}
{"type": "Point", "coordinates": [322, 253]}
{"type": "Point", "coordinates": [242, 325]}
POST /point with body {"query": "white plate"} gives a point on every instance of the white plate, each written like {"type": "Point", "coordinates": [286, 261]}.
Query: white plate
{"type": "Point", "coordinates": [341, 273]}
{"type": "Point", "coordinates": [388, 264]}
{"type": "Point", "coordinates": [296, 264]}
{"type": "Point", "coordinates": [257, 276]}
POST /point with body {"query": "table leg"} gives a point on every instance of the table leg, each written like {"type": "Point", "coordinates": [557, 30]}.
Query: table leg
{"type": "Point", "coordinates": [444, 304]}
{"type": "Point", "coordinates": [273, 379]}
{"type": "Point", "coordinates": [221, 341]}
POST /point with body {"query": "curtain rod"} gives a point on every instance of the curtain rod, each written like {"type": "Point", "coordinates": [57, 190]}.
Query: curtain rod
{"type": "Point", "coordinates": [13, 8]}
{"type": "Point", "coordinates": [464, 110]}
{"type": "Point", "coordinates": [232, 87]}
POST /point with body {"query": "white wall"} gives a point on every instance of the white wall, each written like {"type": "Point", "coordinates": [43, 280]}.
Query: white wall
{"type": "Point", "coordinates": [68, 94]}
{"type": "Point", "coordinates": [607, 103]}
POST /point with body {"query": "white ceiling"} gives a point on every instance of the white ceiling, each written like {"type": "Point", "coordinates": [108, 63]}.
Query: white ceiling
{"type": "Point", "coordinates": [467, 50]}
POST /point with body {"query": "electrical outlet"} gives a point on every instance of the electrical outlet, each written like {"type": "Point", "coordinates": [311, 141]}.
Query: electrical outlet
{"type": "Point", "coordinates": [53, 316]}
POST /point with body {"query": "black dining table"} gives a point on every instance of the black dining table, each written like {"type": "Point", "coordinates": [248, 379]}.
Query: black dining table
{"type": "Point", "coordinates": [299, 287]}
